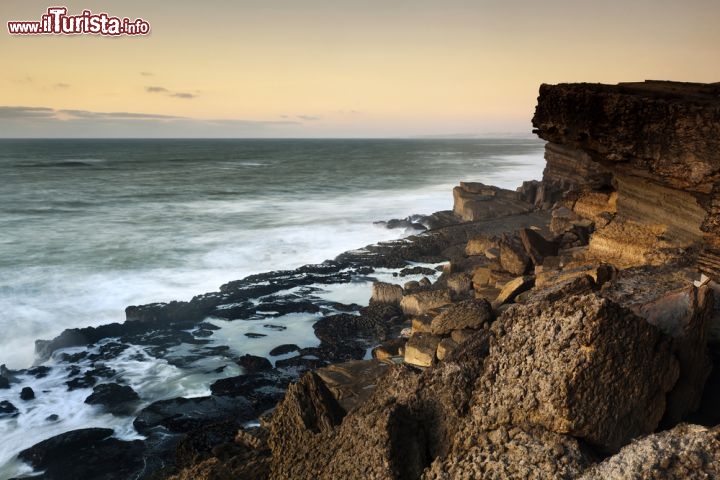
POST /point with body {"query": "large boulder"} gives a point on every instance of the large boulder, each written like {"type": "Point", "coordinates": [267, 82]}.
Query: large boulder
{"type": "Point", "coordinates": [472, 313]}
{"type": "Point", "coordinates": [581, 365]}
{"type": "Point", "coordinates": [687, 451]}
{"type": "Point", "coordinates": [422, 302]}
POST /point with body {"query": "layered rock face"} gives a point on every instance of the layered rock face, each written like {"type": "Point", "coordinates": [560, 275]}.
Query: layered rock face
{"type": "Point", "coordinates": [656, 146]}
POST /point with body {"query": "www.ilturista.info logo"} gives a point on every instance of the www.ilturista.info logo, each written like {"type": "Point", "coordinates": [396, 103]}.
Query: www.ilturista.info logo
{"type": "Point", "coordinates": [58, 22]}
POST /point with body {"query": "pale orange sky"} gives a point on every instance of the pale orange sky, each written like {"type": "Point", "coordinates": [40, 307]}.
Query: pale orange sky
{"type": "Point", "coordinates": [320, 68]}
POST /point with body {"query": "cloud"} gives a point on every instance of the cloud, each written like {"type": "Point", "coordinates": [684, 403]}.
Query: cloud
{"type": "Point", "coordinates": [61, 85]}
{"type": "Point", "coordinates": [156, 90]}
{"type": "Point", "coordinates": [41, 122]}
{"type": "Point", "coordinates": [25, 112]}
{"type": "Point", "coordinates": [187, 96]}
{"type": "Point", "coordinates": [183, 95]}
{"type": "Point", "coordinates": [308, 117]}
{"type": "Point", "coordinates": [147, 74]}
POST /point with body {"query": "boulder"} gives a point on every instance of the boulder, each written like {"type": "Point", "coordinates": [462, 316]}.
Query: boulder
{"type": "Point", "coordinates": [86, 453]}
{"type": "Point", "coordinates": [476, 201]}
{"type": "Point", "coordinates": [7, 409]}
{"type": "Point", "coordinates": [512, 289]}
{"type": "Point", "coordinates": [513, 258]}
{"type": "Point", "coordinates": [119, 399]}
{"type": "Point", "coordinates": [459, 283]}
{"type": "Point", "coordinates": [466, 314]}
{"type": "Point", "coordinates": [253, 363]}
{"type": "Point", "coordinates": [420, 349]}
{"type": "Point", "coordinates": [687, 451]}
{"type": "Point", "coordinates": [422, 302]}
{"type": "Point", "coordinates": [567, 366]}
{"type": "Point", "coordinates": [445, 348]}
{"type": "Point", "coordinates": [27, 393]}
{"type": "Point", "coordinates": [536, 246]}
{"type": "Point", "coordinates": [386, 293]}
{"type": "Point", "coordinates": [394, 347]}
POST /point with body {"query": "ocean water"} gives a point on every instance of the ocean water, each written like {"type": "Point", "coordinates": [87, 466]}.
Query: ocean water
{"type": "Point", "coordinates": [88, 227]}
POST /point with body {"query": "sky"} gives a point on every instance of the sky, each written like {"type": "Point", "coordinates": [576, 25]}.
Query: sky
{"type": "Point", "coordinates": [337, 68]}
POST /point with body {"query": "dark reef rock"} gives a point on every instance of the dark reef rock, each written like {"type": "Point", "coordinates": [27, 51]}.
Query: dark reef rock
{"type": "Point", "coordinates": [7, 409]}
{"type": "Point", "coordinates": [27, 393]}
{"type": "Point", "coordinates": [87, 453]}
{"type": "Point", "coordinates": [115, 398]}
{"type": "Point", "coordinates": [253, 363]}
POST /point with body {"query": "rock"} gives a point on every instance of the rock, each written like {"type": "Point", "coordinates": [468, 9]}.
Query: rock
{"type": "Point", "coordinates": [563, 220]}
{"type": "Point", "coordinates": [7, 409]}
{"type": "Point", "coordinates": [686, 451]}
{"type": "Point", "coordinates": [466, 314]}
{"type": "Point", "coordinates": [284, 349]}
{"type": "Point", "coordinates": [479, 245]}
{"type": "Point", "coordinates": [459, 283]}
{"type": "Point", "coordinates": [422, 302]}
{"type": "Point", "coordinates": [352, 383]}
{"type": "Point", "coordinates": [421, 324]}
{"type": "Point", "coordinates": [460, 336]}
{"type": "Point", "coordinates": [513, 452]}
{"type": "Point", "coordinates": [86, 453]}
{"type": "Point", "coordinates": [445, 348]}
{"type": "Point", "coordinates": [685, 316]}
{"type": "Point", "coordinates": [411, 285]}
{"type": "Point", "coordinates": [545, 364]}
{"type": "Point", "coordinates": [255, 335]}
{"type": "Point", "coordinates": [118, 399]}
{"type": "Point", "coordinates": [180, 415]}
{"type": "Point", "coordinates": [394, 347]}
{"type": "Point", "coordinates": [512, 289]}
{"type": "Point", "coordinates": [536, 246]}
{"type": "Point", "coordinates": [420, 349]}
{"type": "Point", "coordinates": [386, 293]}
{"type": "Point", "coordinates": [253, 363]}
{"type": "Point", "coordinates": [475, 201]}
{"type": "Point", "coordinates": [424, 282]}
{"type": "Point", "coordinates": [418, 270]}
{"type": "Point", "coordinates": [27, 393]}
{"type": "Point", "coordinates": [513, 258]}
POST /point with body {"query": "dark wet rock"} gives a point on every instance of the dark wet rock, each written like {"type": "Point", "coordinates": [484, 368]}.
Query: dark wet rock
{"type": "Point", "coordinates": [286, 305]}
{"type": "Point", "coordinates": [181, 415]}
{"type": "Point", "coordinates": [335, 352]}
{"type": "Point", "coordinates": [52, 418]}
{"type": "Point", "coordinates": [7, 409]}
{"type": "Point", "coordinates": [202, 333]}
{"type": "Point", "coordinates": [85, 381]}
{"type": "Point", "coordinates": [411, 223]}
{"type": "Point", "coordinates": [27, 393]}
{"type": "Point", "coordinates": [277, 328]}
{"type": "Point", "coordinates": [255, 335]}
{"type": "Point", "coordinates": [102, 371]}
{"type": "Point", "coordinates": [4, 382]}
{"type": "Point", "coordinates": [115, 398]}
{"type": "Point", "coordinates": [262, 390]}
{"type": "Point", "coordinates": [87, 453]}
{"type": "Point", "coordinates": [235, 311]}
{"type": "Point", "coordinates": [374, 322]}
{"type": "Point", "coordinates": [466, 314]}
{"type": "Point", "coordinates": [686, 451]}
{"type": "Point", "coordinates": [253, 363]}
{"type": "Point", "coordinates": [283, 349]}
{"type": "Point", "coordinates": [305, 362]}
{"type": "Point", "coordinates": [416, 271]}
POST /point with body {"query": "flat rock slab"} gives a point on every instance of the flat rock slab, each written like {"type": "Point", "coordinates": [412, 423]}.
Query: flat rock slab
{"type": "Point", "coordinates": [351, 383]}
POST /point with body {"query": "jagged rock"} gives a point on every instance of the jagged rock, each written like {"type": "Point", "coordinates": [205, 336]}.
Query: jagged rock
{"type": "Point", "coordinates": [114, 397]}
{"type": "Point", "coordinates": [509, 452]}
{"type": "Point", "coordinates": [421, 324]}
{"type": "Point", "coordinates": [567, 366]}
{"type": "Point", "coordinates": [475, 201]}
{"type": "Point", "coordinates": [512, 289]}
{"type": "Point", "coordinates": [513, 258]}
{"type": "Point", "coordinates": [184, 414]}
{"type": "Point", "coordinates": [445, 348]}
{"type": "Point", "coordinates": [422, 302]}
{"type": "Point", "coordinates": [386, 293]}
{"type": "Point", "coordinates": [420, 349]}
{"type": "Point", "coordinates": [253, 363]}
{"type": "Point", "coordinates": [687, 452]}
{"type": "Point", "coordinates": [684, 315]}
{"type": "Point", "coordinates": [86, 453]}
{"type": "Point", "coordinates": [536, 246]}
{"type": "Point", "coordinates": [27, 393]}
{"type": "Point", "coordinates": [466, 314]}
{"type": "Point", "coordinates": [351, 383]}
{"type": "Point", "coordinates": [7, 409]}
{"type": "Point", "coordinates": [459, 283]}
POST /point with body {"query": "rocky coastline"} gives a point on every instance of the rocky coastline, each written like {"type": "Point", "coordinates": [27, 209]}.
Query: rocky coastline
{"type": "Point", "coordinates": [571, 329]}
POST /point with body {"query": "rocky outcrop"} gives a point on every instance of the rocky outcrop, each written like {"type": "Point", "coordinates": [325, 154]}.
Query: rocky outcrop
{"type": "Point", "coordinates": [477, 201]}
{"type": "Point", "coordinates": [657, 144]}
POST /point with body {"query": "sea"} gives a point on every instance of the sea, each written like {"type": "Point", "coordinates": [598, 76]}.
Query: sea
{"type": "Point", "coordinates": [88, 227]}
